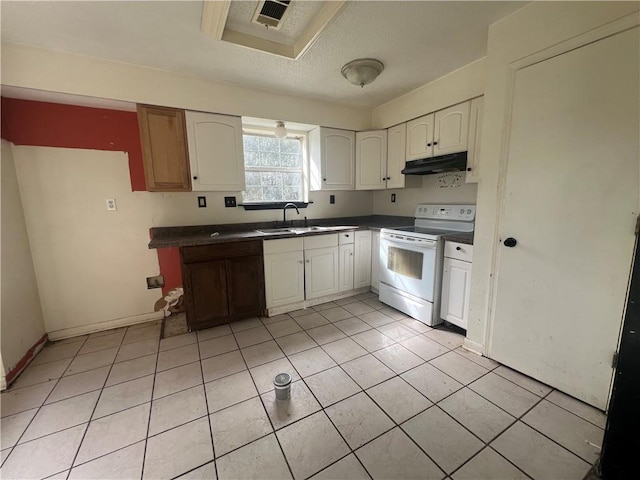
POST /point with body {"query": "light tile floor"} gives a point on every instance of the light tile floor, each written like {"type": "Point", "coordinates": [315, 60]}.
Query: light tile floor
{"type": "Point", "coordinates": [375, 395]}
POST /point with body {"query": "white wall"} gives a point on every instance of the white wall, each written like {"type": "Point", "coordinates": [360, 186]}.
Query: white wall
{"type": "Point", "coordinates": [41, 69]}
{"type": "Point", "coordinates": [20, 313]}
{"type": "Point", "coordinates": [530, 29]}
{"type": "Point", "coordinates": [408, 198]}
{"type": "Point", "coordinates": [463, 84]}
{"type": "Point", "coordinates": [91, 263]}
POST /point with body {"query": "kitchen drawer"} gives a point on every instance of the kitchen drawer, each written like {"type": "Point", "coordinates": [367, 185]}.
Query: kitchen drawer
{"type": "Point", "coordinates": [459, 251]}
{"type": "Point", "coordinates": [220, 251]}
{"type": "Point", "coordinates": [346, 238]}
{"type": "Point", "coordinates": [321, 241]}
{"type": "Point", "coordinates": [282, 245]}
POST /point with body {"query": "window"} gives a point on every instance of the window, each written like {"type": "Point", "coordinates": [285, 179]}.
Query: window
{"type": "Point", "coordinates": [274, 168]}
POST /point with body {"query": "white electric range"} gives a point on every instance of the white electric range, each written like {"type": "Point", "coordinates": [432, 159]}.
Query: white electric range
{"type": "Point", "coordinates": [411, 259]}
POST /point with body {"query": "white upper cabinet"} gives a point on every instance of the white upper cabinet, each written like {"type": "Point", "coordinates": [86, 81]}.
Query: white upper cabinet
{"type": "Point", "coordinates": [420, 138]}
{"type": "Point", "coordinates": [215, 152]}
{"type": "Point", "coordinates": [332, 159]}
{"type": "Point", "coordinates": [438, 133]}
{"type": "Point", "coordinates": [451, 130]}
{"type": "Point", "coordinates": [371, 160]}
{"type": "Point", "coordinates": [475, 133]}
{"type": "Point", "coordinates": [396, 146]}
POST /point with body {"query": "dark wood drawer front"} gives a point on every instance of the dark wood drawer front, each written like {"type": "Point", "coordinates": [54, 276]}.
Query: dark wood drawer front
{"type": "Point", "coordinates": [220, 251]}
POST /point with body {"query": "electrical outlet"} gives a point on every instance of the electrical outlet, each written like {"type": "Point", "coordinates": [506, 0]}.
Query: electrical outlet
{"type": "Point", "coordinates": [332, 199]}
{"type": "Point", "coordinates": [111, 204]}
{"type": "Point", "coordinates": [202, 202]}
{"type": "Point", "coordinates": [229, 201]}
{"type": "Point", "coordinates": [393, 198]}
{"type": "Point", "coordinates": [155, 282]}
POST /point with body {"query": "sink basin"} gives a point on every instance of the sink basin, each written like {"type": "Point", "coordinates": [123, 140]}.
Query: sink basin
{"type": "Point", "coordinates": [299, 230]}
{"type": "Point", "coordinates": [271, 231]}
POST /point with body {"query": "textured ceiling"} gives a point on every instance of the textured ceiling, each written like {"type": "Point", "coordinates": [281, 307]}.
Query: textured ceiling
{"type": "Point", "coordinates": [299, 15]}
{"type": "Point", "coordinates": [417, 41]}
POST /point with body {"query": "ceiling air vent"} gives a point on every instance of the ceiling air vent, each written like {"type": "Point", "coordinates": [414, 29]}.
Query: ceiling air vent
{"type": "Point", "coordinates": [271, 13]}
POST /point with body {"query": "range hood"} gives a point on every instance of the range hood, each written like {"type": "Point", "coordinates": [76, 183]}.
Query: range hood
{"type": "Point", "coordinates": [428, 166]}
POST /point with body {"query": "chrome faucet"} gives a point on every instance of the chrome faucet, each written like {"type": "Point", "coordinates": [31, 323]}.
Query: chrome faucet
{"type": "Point", "coordinates": [284, 211]}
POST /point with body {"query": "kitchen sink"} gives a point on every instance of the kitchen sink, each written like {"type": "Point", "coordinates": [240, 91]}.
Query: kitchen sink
{"type": "Point", "coordinates": [296, 230]}
{"type": "Point", "coordinates": [271, 231]}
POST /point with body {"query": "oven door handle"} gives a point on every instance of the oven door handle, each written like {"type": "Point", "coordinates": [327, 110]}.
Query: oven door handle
{"type": "Point", "coordinates": [424, 244]}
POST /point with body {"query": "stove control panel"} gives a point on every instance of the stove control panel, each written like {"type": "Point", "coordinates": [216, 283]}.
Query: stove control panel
{"type": "Point", "coordinates": [466, 213]}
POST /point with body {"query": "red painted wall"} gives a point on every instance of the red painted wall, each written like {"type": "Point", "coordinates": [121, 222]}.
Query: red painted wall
{"type": "Point", "coordinates": [25, 122]}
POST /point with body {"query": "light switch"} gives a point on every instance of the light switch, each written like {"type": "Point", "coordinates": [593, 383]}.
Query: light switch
{"type": "Point", "coordinates": [111, 204]}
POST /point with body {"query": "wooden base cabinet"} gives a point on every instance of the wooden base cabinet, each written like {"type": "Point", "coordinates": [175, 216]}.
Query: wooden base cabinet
{"type": "Point", "coordinates": [222, 283]}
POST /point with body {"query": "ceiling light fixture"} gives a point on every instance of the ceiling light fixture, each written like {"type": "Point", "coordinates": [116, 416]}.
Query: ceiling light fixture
{"type": "Point", "coordinates": [362, 71]}
{"type": "Point", "coordinates": [280, 131]}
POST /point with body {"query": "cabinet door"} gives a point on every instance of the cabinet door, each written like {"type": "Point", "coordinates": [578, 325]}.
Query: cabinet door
{"type": "Point", "coordinates": [420, 138]}
{"type": "Point", "coordinates": [205, 287]}
{"type": "Point", "coordinates": [321, 272]}
{"type": "Point", "coordinates": [164, 149]}
{"type": "Point", "coordinates": [337, 152]}
{"type": "Point", "coordinates": [215, 152]}
{"type": "Point", "coordinates": [245, 286]}
{"type": "Point", "coordinates": [396, 147]}
{"type": "Point", "coordinates": [346, 267]}
{"type": "Point", "coordinates": [475, 134]}
{"type": "Point", "coordinates": [284, 278]}
{"type": "Point", "coordinates": [456, 283]}
{"type": "Point", "coordinates": [451, 130]}
{"type": "Point", "coordinates": [375, 261]}
{"type": "Point", "coordinates": [362, 264]}
{"type": "Point", "coordinates": [371, 160]}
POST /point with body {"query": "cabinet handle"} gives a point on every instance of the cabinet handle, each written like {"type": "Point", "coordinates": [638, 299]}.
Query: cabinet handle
{"type": "Point", "coordinates": [350, 254]}
{"type": "Point", "coordinates": [307, 261]}
{"type": "Point", "coordinates": [458, 248]}
{"type": "Point", "coordinates": [468, 169]}
{"type": "Point", "coordinates": [428, 144]}
{"type": "Point", "coordinates": [384, 178]}
{"type": "Point", "coordinates": [300, 262]}
{"type": "Point", "coordinates": [346, 235]}
{"type": "Point", "coordinates": [324, 179]}
{"type": "Point", "coordinates": [388, 178]}
{"type": "Point", "coordinates": [435, 143]}
{"type": "Point", "coordinates": [195, 177]}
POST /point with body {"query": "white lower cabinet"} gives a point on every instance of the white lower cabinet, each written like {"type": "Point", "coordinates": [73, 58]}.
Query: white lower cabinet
{"type": "Point", "coordinates": [456, 284]}
{"type": "Point", "coordinates": [306, 268]}
{"type": "Point", "coordinates": [346, 267]}
{"type": "Point", "coordinates": [283, 272]}
{"type": "Point", "coordinates": [362, 262]}
{"type": "Point", "coordinates": [375, 261]}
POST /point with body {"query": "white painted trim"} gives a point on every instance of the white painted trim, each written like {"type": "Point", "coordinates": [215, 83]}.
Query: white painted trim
{"type": "Point", "coordinates": [317, 25]}
{"type": "Point", "coordinates": [101, 326]}
{"type": "Point", "coordinates": [214, 17]}
{"type": "Point", "coordinates": [473, 347]}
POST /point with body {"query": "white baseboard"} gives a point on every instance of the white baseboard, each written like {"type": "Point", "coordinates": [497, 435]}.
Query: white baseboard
{"type": "Point", "coordinates": [474, 347]}
{"type": "Point", "coordinates": [101, 326]}
{"type": "Point", "coordinates": [314, 301]}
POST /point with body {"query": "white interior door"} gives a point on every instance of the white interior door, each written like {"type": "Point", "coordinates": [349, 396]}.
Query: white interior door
{"type": "Point", "coordinates": [571, 200]}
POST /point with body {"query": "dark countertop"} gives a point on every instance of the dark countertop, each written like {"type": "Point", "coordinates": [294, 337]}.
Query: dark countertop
{"type": "Point", "coordinates": [163, 237]}
{"type": "Point", "coordinates": [466, 238]}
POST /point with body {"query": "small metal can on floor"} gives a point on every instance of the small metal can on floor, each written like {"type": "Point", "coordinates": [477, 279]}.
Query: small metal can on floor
{"type": "Point", "coordinates": [282, 386]}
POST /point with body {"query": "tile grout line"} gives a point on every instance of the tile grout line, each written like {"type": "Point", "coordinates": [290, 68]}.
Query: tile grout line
{"type": "Point", "coordinates": [71, 467]}
{"type": "Point", "coordinates": [153, 386]}
{"type": "Point", "coordinates": [263, 406]}
{"type": "Point", "coordinates": [208, 414]}
{"type": "Point", "coordinates": [42, 404]}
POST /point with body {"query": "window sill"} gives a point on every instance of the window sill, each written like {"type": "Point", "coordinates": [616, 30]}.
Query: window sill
{"type": "Point", "coordinates": [271, 205]}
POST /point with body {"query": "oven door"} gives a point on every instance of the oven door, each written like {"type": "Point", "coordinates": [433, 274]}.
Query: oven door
{"type": "Point", "coordinates": [409, 264]}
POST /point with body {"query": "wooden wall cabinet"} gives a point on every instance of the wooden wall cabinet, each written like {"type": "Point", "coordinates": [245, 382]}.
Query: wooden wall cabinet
{"type": "Point", "coordinates": [222, 283]}
{"type": "Point", "coordinates": [164, 149]}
